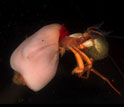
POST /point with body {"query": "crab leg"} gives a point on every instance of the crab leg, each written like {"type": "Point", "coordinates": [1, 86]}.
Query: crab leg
{"type": "Point", "coordinates": [86, 58]}
{"type": "Point", "coordinates": [90, 30]}
{"type": "Point", "coordinates": [105, 79]}
{"type": "Point", "coordinates": [89, 61]}
{"type": "Point", "coordinates": [80, 63]}
{"type": "Point", "coordinates": [80, 75]}
{"type": "Point", "coordinates": [89, 64]}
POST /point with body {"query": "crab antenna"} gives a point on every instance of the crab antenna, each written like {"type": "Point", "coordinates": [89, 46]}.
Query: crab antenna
{"type": "Point", "coordinates": [116, 65]}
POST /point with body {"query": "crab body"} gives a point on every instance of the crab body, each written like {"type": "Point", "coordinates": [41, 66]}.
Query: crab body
{"type": "Point", "coordinates": [94, 45]}
{"type": "Point", "coordinates": [87, 48]}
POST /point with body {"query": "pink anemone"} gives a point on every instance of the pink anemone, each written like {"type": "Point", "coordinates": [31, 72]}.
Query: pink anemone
{"type": "Point", "coordinates": [36, 59]}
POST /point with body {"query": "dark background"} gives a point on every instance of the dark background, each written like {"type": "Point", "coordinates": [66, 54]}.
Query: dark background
{"type": "Point", "coordinates": [21, 18]}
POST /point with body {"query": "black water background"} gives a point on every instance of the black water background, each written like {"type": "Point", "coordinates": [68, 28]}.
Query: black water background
{"type": "Point", "coordinates": [19, 19]}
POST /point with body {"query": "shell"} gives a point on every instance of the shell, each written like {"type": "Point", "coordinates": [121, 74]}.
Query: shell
{"type": "Point", "coordinates": [99, 50]}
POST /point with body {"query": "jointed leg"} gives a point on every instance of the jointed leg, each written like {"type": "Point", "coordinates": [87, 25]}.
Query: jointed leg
{"type": "Point", "coordinates": [105, 79]}
{"type": "Point", "coordinates": [94, 30]}
{"type": "Point", "coordinates": [88, 64]}
{"type": "Point", "coordinates": [99, 33]}
{"type": "Point", "coordinates": [80, 75]}
{"type": "Point", "coordinates": [80, 63]}
{"type": "Point", "coordinates": [93, 27]}
{"type": "Point", "coordinates": [86, 58]}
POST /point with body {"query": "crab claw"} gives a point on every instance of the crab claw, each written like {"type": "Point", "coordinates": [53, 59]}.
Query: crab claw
{"type": "Point", "coordinates": [36, 59]}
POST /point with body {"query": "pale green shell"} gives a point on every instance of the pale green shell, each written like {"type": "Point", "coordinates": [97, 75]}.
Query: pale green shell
{"type": "Point", "coordinates": [99, 50]}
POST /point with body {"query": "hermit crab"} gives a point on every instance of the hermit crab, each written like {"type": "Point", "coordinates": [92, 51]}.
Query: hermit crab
{"type": "Point", "coordinates": [36, 59]}
{"type": "Point", "coordinates": [87, 47]}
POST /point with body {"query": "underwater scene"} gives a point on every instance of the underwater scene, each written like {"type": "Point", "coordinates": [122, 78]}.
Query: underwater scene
{"type": "Point", "coordinates": [61, 52]}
